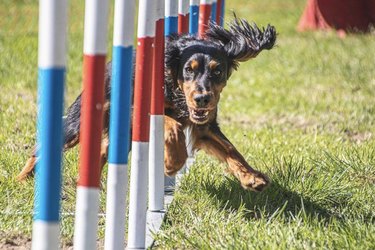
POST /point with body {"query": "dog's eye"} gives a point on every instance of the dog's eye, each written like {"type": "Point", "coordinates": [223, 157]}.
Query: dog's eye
{"type": "Point", "coordinates": [189, 70]}
{"type": "Point", "coordinates": [217, 72]}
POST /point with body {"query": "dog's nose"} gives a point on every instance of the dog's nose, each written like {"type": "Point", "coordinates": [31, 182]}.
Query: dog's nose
{"type": "Point", "coordinates": [202, 100]}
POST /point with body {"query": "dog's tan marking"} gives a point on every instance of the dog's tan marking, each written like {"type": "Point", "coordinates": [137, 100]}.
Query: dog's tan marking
{"type": "Point", "coordinates": [175, 153]}
{"type": "Point", "coordinates": [194, 64]}
{"type": "Point", "coordinates": [213, 64]}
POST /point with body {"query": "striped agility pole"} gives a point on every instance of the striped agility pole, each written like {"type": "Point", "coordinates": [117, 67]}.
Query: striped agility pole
{"type": "Point", "coordinates": [156, 156]}
{"type": "Point", "coordinates": [141, 126]}
{"type": "Point", "coordinates": [51, 64]}
{"type": "Point", "coordinates": [87, 206]}
{"type": "Point", "coordinates": [119, 129]}
{"type": "Point", "coordinates": [184, 28]}
{"type": "Point", "coordinates": [220, 12]}
{"type": "Point", "coordinates": [214, 8]}
{"type": "Point", "coordinates": [194, 17]}
{"type": "Point", "coordinates": [183, 16]}
{"type": "Point", "coordinates": [204, 16]}
{"type": "Point", "coordinates": [193, 30]}
{"type": "Point", "coordinates": [171, 17]}
{"type": "Point", "coordinates": [170, 27]}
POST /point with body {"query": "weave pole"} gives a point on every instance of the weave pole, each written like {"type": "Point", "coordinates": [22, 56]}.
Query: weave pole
{"type": "Point", "coordinates": [87, 206]}
{"type": "Point", "coordinates": [220, 12]}
{"type": "Point", "coordinates": [51, 64]}
{"type": "Point", "coordinates": [183, 28]}
{"type": "Point", "coordinates": [170, 28]}
{"type": "Point", "coordinates": [156, 156]}
{"type": "Point", "coordinates": [141, 126]}
{"type": "Point", "coordinates": [171, 17]}
{"type": "Point", "coordinates": [214, 8]}
{"type": "Point", "coordinates": [204, 16]}
{"type": "Point", "coordinates": [194, 17]}
{"type": "Point", "coordinates": [183, 16]}
{"type": "Point", "coordinates": [121, 97]}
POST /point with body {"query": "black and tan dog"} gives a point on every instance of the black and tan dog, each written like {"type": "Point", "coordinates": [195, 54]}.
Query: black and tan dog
{"type": "Point", "coordinates": [196, 71]}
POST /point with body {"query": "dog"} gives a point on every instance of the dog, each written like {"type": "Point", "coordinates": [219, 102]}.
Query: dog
{"type": "Point", "coordinates": [196, 72]}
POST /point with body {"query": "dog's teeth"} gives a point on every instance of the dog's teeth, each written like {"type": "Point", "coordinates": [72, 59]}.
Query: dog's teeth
{"type": "Point", "coordinates": [199, 114]}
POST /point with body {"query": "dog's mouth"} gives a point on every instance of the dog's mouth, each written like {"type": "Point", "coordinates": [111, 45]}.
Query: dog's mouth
{"type": "Point", "coordinates": [199, 116]}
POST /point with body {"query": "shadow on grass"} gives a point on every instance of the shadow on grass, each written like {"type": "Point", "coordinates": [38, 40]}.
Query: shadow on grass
{"type": "Point", "coordinates": [274, 200]}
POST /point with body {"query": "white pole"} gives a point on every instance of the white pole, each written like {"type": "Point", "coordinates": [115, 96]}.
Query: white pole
{"type": "Point", "coordinates": [122, 69]}
{"type": "Point", "coordinates": [51, 66]}
{"type": "Point", "coordinates": [156, 163]}
{"type": "Point", "coordinates": [95, 48]}
{"type": "Point", "coordinates": [141, 126]}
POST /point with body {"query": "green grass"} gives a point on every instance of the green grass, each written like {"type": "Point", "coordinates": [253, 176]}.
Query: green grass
{"type": "Point", "coordinates": [303, 113]}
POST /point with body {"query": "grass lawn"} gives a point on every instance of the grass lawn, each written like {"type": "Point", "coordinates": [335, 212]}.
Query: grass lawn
{"type": "Point", "coordinates": [304, 113]}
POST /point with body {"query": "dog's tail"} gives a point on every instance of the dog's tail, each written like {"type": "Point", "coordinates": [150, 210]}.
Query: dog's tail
{"type": "Point", "coordinates": [71, 124]}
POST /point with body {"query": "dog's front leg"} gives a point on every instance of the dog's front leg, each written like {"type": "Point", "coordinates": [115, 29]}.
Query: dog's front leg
{"type": "Point", "coordinates": [104, 151]}
{"type": "Point", "coordinates": [175, 153]}
{"type": "Point", "coordinates": [215, 143]}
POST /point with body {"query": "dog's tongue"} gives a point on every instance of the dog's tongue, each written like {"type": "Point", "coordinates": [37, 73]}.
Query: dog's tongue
{"type": "Point", "coordinates": [199, 112]}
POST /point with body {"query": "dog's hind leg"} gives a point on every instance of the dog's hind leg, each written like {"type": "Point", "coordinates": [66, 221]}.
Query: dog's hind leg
{"type": "Point", "coordinates": [71, 125]}
{"type": "Point", "coordinates": [104, 151]}
{"type": "Point", "coordinates": [175, 153]}
{"type": "Point", "coordinates": [29, 166]}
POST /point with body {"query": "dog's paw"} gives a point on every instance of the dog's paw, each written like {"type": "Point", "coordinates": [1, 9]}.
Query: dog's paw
{"type": "Point", "coordinates": [170, 172]}
{"type": "Point", "coordinates": [255, 181]}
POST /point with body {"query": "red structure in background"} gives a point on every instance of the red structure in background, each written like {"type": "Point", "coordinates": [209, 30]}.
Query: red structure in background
{"type": "Point", "coordinates": [342, 15]}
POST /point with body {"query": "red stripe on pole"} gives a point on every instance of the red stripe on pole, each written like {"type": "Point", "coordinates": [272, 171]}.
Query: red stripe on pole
{"type": "Point", "coordinates": [204, 18]}
{"type": "Point", "coordinates": [142, 90]}
{"type": "Point", "coordinates": [157, 93]}
{"type": "Point", "coordinates": [91, 120]}
{"type": "Point", "coordinates": [183, 23]}
{"type": "Point", "coordinates": [218, 11]}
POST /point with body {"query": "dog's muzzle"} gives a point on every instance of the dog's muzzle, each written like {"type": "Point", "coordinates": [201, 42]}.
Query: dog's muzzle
{"type": "Point", "coordinates": [199, 115]}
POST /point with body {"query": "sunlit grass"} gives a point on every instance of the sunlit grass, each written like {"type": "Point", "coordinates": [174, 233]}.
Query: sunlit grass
{"type": "Point", "coordinates": [303, 113]}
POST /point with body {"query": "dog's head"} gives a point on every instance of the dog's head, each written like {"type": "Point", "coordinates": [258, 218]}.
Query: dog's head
{"type": "Point", "coordinates": [200, 67]}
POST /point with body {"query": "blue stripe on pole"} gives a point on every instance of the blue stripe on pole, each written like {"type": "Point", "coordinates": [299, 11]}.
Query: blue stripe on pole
{"type": "Point", "coordinates": [171, 25]}
{"type": "Point", "coordinates": [194, 19]}
{"type": "Point", "coordinates": [213, 12]}
{"type": "Point", "coordinates": [121, 93]}
{"type": "Point", "coordinates": [50, 140]}
{"type": "Point", "coordinates": [222, 12]}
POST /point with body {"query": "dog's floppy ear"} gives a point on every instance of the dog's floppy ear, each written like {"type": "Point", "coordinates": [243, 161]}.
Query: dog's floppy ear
{"type": "Point", "coordinates": [172, 52]}
{"type": "Point", "coordinates": [242, 41]}
{"type": "Point", "coordinates": [172, 59]}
